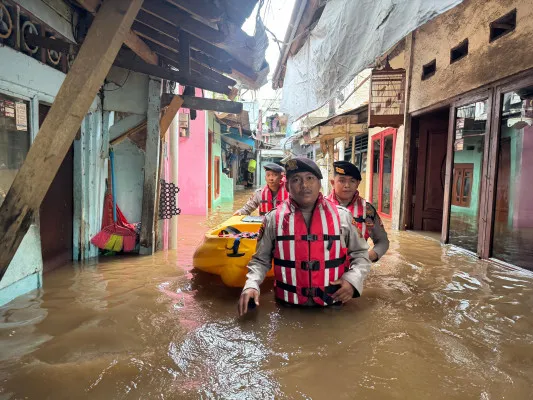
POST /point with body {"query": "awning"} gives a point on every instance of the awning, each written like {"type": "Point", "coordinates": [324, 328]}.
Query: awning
{"type": "Point", "coordinates": [349, 37]}
{"type": "Point", "coordinates": [242, 142]}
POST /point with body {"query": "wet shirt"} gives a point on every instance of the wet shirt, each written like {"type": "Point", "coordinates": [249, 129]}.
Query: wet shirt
{"type": "Point", "coordinates": [261, 261]}
{"type": "Point", "coordinates": [254, 201]}
{"type": "Point", "coordinates": [375, 229]}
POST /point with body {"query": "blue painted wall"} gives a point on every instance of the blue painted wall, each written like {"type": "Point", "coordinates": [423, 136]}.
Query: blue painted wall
{"type": "Point", "coordinates": [26, 78]}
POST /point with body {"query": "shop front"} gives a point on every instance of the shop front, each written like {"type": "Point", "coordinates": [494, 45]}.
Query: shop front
{"type": "Point", "coordinates": [483, 171]}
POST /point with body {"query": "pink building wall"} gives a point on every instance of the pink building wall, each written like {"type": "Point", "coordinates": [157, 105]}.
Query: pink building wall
{"type": "Point", "coordinates": [192, 160]}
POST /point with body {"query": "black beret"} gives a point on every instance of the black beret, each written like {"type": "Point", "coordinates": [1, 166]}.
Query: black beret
{"type": "Point", "coordinates": [302, 164]}
{"type": "Point", "coordinates": [347, 168]}
{"type": "Point", "coordinates": [274, 168]}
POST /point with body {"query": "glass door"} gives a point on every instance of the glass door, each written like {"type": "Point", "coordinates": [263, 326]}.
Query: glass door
{"type": "Point", "coordinates": [512, 232]}
{"type": "Point", "coordinates": [470, 136]}
{"type": "Point", "coordinates": [382, 171]}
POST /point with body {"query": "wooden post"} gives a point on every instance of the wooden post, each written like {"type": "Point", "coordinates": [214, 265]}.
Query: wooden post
{"type": "Point", "coordinates": [331, 156]}
{"type": "Point", "coordinates": [170, 113]}
{"type": "Point", "coordinates": [151, 169]}
{"type": "Point", "coordinates": [104, 39]}
{"type": "Point", "coordinates": [405, 203]}
{"type": "Point", "coordinates": [352, 158]}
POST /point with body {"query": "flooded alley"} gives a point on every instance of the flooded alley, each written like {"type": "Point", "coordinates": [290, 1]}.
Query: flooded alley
{"type": "Point", "coordinates": [433, 323]}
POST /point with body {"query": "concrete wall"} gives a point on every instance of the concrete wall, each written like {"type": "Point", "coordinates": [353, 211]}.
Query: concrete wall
{"type": "Point", "coordinates": [193, 166]}
{"type": "Point", "coordinates": [129, 177]}
{"type": "Point", "coordinates": [132, 97]}
{"type": "Point", "coordinates": [485, 63]}
{"type": "Point", "coordinates": [24, 77]}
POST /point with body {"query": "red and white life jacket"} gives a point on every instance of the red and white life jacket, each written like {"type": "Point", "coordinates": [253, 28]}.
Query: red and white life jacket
{"type": "Point", "coordinates": [358, 209]}
{"type": "Point", "coordinates": [267, 203]}
{"type": "Point", "coordinates": [306, 261]}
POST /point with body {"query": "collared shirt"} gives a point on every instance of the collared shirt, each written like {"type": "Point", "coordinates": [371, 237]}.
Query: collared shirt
{"type": "Point", "coordinates": [254, 201]}
{"type": "Point", "coordinates": [261, 261]}
{"type": "Point", "coordinates": [374, 227]}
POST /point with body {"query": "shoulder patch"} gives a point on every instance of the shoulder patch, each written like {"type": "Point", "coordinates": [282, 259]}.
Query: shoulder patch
{"type": "Point", "coordinates": [356, 226]}
{"type": "Point", "coordinates": [261, 231]}
{"type": "Point", "coordinates": [370, 209]}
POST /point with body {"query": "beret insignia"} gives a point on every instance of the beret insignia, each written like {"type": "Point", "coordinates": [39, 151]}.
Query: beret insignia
{"type": "Point", "coordinates": [292, 165]}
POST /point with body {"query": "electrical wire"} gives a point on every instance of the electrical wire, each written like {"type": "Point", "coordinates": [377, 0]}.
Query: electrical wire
{"type": "Point", "coordinates": [119, 86]}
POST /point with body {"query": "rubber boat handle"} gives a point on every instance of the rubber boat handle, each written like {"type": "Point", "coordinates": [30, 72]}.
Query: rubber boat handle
{"type": "Point", "coordinates": [235, 248]}
{"type": "Point", "coordinates": [231, 229]}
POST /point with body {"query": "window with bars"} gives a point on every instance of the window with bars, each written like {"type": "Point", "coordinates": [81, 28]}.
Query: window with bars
{"type": "Point", "coordinates": [361, 148]}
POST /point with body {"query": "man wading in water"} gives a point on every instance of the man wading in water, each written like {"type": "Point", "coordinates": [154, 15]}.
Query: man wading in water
{"type": "Point", "coordinates": [345, 183]}
{"type": "Point", "coordinates": [270, 195]}
{"type": "Point", "coordinates": [320, 257]}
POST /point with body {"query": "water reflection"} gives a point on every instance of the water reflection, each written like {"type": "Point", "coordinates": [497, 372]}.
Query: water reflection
{"type": "Point", "coordinates": [433, 322]}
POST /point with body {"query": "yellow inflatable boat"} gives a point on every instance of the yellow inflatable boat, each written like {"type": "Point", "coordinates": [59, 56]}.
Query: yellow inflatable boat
{"type": "Point", "coordinates": [227, 249]}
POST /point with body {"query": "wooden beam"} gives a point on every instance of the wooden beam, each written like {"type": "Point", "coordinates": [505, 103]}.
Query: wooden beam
{"type": "Point", "coordinates": [171, 58]}
{"type": "Point", "coordinates": [199, 70]}
{"type": "Point", "coordinates": [200, 8]}
{"type": "Point", "coordinates": [172, 32]}
{"type": "Point", "coordinates": [169, 114]}
{"type": "Point", "coordinates": [199, 44]}
{"type": "Point", "coordinates": [90, 5]}
{"type": "Point", "coordinates": [209, 49]}
{"type": "Point", "coordinates": [151, 169]}
{"type": "Point", "coordinates": [201, 103]}
{"type": "Point", "coordinates": [61, 46]}
{"type": "Point", "coordinates": [161, 40]}
{"type": "Point", "coordinates": [333, 131]}
{"type": "Point", "coordinates": [58, 131]}
{"type": "Point", "coordinates": [184, 55]}
{"type": "Point", "coordinates": [133, 41]}
{"type": "Point", "coordinates": [137, 65]}
{"type": "Point", "coordinates": [140, 48]}
{"type": "Point", "coordinates": [177, 17]}
{"type": "Point", "coordinates": [125, 135]}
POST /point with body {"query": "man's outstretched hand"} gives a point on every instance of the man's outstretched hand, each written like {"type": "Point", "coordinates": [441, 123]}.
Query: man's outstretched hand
{"type": "Point", "coordinates": [246, 295]}
{"type": "Point", "coordinates": [344, 293]}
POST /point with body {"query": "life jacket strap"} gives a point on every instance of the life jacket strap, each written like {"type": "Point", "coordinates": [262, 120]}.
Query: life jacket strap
{"type": "Point", "coordinates": [311, 291]}
{"type": "Point", "coordinates": [307, 265]}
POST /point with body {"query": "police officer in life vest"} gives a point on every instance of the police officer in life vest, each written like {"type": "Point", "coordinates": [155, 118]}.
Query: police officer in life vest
{"type": "Point", "coordinates": [269, 196]}
{"type": "Point", "coordinates": [318, 254]}
{"type": "Point", "coordinates": [345, 182]}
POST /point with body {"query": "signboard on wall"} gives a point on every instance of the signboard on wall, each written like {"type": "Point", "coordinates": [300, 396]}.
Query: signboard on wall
{"type": "Point", "coordinates": [21, 116]}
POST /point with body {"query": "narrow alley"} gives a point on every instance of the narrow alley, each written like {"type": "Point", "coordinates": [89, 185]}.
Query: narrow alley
{"type": "Point", "coordinates": [266, 199]}
{"type": "Point", "coordinates": [433, 323]}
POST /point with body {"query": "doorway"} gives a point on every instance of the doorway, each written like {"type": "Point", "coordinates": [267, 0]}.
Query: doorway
{"type": "Point", "coordinates": [56, 212]}
{"type": "Point", "coordinates": [427, 172]}
{"type": "Point", "coordinates": [382, 171]}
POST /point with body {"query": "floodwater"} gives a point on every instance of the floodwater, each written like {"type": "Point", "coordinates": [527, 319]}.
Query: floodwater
{"type": "Point", "coordinates": [433, 323]}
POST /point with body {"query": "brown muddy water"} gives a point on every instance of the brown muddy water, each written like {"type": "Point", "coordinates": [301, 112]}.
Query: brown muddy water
{"type": "Point", "coordinates": [433, 323]}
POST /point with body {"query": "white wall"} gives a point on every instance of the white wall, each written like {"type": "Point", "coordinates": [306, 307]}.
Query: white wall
{"type": "Point", "coordinates": [129, 178]}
